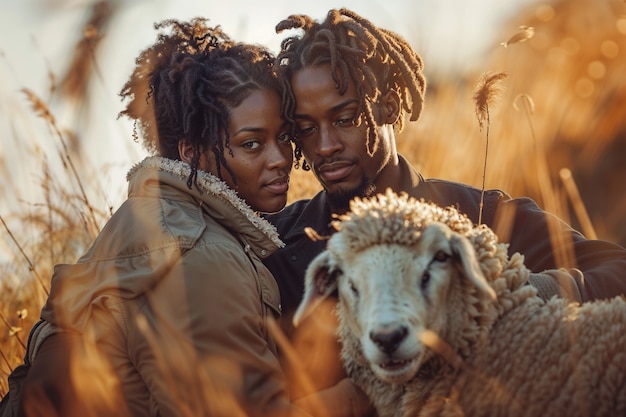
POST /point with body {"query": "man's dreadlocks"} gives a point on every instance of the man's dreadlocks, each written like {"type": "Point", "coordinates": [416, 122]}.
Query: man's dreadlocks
{"type": "Point", "coordinates": [375, 60]}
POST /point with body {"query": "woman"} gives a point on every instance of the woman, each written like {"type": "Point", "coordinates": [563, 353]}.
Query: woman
{"type": "Point", "coordinates": [169, 312]}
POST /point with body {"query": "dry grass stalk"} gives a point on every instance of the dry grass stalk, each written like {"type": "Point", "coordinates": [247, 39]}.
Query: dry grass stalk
{"type": "Point", "coordinates": [527, 106]}
{"type": "Point", "coordinates": [432, 340]}
{"type": "Point", "coordinates": [42, 110]}
{"type": "Point", "coordinates": [13, 330]}
{"type": "Point", "coordinates": [60, 236]}
{"type": "Point", "coordinates": [525, 33]}
{"type": "Point", "coordinates": [313, 235]}
{"type": "Point", "coordinates": [294, 360]}
{"type": "Point", "coordinates": [210, 392]}
{"type": "Point", "coordinates": [31, 267]}
{"type": "Point", "coordinates": [486, 92]}
{"type": "Point", "coordinates": [75, 82]}
{"type": "Point", "coordinates": [563, 250]}
{"type": "Point", "coordinates": [577, 203]}
{"type": "Point", "coordinates": [8, 364]}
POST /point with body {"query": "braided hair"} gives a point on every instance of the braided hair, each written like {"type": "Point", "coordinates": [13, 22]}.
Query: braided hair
{"type": "Point", "coordinates": [184, 85]}
{"type": "Point", "coordinates": [375, 60]}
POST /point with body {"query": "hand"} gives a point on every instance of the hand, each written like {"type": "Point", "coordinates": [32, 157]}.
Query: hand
{"type": "Point", "coordinates": [557, 282]}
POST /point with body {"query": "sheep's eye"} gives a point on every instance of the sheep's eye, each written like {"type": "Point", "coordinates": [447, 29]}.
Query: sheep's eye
{"type": "Point", "coordinates": [425, 279]}
{"type": "Point", "coordinates": [441, 256]}
{"type": "Point", "coordinates": [353, 289]}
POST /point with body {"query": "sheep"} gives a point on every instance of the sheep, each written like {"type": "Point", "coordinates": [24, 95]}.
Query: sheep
{"type": "Point", "coordinates": [436, 319]}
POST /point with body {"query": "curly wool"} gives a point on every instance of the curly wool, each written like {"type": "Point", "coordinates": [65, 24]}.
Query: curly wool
{"type": "Point", "coordinates": [392, 218]}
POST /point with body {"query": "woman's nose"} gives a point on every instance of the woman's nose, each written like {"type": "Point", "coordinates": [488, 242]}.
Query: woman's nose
{"type": "Point", "coordinates": [280, 155]}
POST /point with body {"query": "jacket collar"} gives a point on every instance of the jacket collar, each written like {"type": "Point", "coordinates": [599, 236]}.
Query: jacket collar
{"type": "Point", "coordinates": [217, 199]}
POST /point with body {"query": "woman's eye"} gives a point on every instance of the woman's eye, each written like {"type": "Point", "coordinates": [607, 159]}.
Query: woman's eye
{"type": "Point", "coordinates": [441, 256]}
{"type": "Point", "coordinates": [252, 144]}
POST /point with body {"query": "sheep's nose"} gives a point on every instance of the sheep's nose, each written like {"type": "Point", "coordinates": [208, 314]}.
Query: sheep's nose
{"type": "Point", "coordinates": [388, 338]}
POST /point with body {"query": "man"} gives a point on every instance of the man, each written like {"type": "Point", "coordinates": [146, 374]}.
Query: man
{"type": "Point", "coordinates": [351, 85]}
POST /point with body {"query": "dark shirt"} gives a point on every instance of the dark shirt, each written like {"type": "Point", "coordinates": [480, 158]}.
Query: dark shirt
{"type": "Point", "coordinates": [602, 263]}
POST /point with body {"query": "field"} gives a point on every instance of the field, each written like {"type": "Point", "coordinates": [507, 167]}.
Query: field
{"type": "Point", "coordinates": [557, 133]}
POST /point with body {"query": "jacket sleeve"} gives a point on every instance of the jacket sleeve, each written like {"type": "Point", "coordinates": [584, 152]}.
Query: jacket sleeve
{"type": "Point", "coordinates": [548, 243]}
{"type": "Point", "coordinates": [202, 341]}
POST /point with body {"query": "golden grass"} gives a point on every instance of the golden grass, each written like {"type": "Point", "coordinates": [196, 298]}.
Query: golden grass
{"type": "Point", "coordinates": [558, 135]}
{"type": "Point", "coordinates": [570, 69]}
{"type": "Point", "coordinates": [485, 95]}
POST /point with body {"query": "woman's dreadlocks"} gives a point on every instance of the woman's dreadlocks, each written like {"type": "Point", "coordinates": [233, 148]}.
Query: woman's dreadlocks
{"type": "Point", "coordinates": [373, 59]}
{"type": "Point", "coordinates": [183, 86]}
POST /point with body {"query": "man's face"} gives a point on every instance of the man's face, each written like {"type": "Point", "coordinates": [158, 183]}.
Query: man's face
{"type": "Point", "coordinates": [333, 143]}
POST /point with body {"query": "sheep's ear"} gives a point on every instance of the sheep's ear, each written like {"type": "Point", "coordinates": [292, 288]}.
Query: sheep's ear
{"type": "Point", "coordinates": [320, 281]}
{"type": "Point", "coordinates": [466, 253]}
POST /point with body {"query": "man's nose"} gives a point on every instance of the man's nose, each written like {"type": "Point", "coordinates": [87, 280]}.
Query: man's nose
{"type": "Point", "coordinates": [328, 141]}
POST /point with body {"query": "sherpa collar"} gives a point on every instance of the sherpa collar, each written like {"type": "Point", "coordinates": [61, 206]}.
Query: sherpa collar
{"type": "Point", "coordinates": [208, 188]}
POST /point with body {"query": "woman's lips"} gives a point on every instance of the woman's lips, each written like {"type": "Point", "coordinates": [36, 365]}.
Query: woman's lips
{"type": "Point", "coordinates": [279, 186]}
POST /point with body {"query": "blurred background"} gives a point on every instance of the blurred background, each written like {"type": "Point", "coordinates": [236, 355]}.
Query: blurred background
{"type": "Point", "coordinates": [557, 132]}
{"type": "Point", "coordinates": [76, 55]}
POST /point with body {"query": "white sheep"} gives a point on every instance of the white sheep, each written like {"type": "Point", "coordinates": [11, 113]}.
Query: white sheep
{"type": "Point", "coordinates": [437, 320]}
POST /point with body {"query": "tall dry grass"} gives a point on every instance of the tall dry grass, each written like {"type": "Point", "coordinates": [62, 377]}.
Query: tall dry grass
{"type": "Point", "coordinates": [571, 69]}
{"type": "Point", "coordinates": [55, 229]}
{"type": "Point", "coordinates": [59, 224]}
{"type": "Point", "coordinates": [558, 135]}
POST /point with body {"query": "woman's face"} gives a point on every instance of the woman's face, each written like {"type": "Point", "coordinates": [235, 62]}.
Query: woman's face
{"type": "Point", "coordinates": [261, 152]}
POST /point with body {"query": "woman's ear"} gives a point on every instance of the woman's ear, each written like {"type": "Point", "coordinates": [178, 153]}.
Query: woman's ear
{"type": "Point", "coordinates": [390, 106]}
{"type": "Point", "coordinates": [185, 151]}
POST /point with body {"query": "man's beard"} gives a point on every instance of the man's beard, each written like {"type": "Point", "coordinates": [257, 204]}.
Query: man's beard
{"type": "Point", "coordinates": [340, 200]}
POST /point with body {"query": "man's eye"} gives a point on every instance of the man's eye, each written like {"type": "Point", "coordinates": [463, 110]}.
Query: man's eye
{"type": "Point", "coordinates": [345, 122]}
{"type": "Point", "coordinates": [285, 137]}
{"type": "Point", "coordinates": [305, 131]}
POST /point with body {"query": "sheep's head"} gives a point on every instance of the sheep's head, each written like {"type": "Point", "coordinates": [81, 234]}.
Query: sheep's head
{"type": "Point", "coordinates": [396, 263]}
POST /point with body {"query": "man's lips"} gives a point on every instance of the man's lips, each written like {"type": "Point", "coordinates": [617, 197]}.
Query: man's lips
{"type": "Point", "coordinates": [335, 171]}
{"type": "Point", "coordinates": [279, 185]}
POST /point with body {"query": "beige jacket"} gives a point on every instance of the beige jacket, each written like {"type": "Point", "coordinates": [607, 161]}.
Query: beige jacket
{"type": "Point", "coordinates": [176, 300]}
